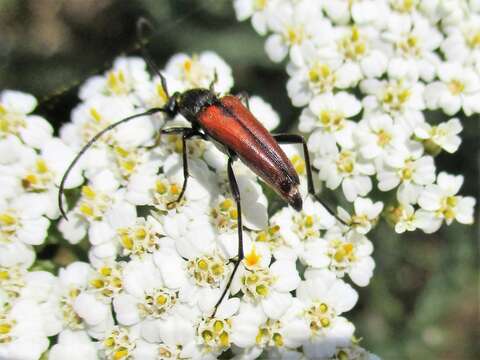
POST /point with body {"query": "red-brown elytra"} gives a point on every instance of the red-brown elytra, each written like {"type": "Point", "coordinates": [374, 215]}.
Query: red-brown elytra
{"type": "Point", "coordinates": [229, 122]}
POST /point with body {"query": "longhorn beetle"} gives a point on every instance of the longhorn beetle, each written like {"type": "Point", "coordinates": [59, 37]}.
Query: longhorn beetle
{"type": "Point", "coordinates": [228, 122]}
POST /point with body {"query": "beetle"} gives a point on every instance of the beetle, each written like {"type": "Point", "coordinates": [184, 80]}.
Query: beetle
{"type": "Point", "coordinates": [227, 121]}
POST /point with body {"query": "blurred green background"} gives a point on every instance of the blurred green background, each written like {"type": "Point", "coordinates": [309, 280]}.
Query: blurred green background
{"type": "Point", "coordinates": [423, 302]}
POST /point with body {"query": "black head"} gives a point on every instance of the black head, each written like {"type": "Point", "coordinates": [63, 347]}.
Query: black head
{"type": "Point", "coordinates": [191, 102]}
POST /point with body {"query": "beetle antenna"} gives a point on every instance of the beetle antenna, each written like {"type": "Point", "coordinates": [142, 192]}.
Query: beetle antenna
{"type": "Point", "coordinates": [61, 188]}
{"type": "Point", "coordinates": [142, 26]}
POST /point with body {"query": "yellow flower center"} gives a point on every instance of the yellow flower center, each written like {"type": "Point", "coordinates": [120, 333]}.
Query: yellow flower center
{"type": "Point", "coordinates": [456, 87]}
{"type": "Point", "coordinates": [353, 45]}
{"type": "Point", "coordinates": [166, 195]}
{"type": "Point", "coordinates": [207, 270]}
{"type": "Point", "coordinates": [117, 83]}
{"type": "Point", "coordinates": [70, 317]}
{"type": "Point", "coordinates": [295, 35]}
{"type": "Point", "coordinates": [225, 215]}
{"type": "Point", "coordinates": [157, 302]}
{"type": "Point", "coordinates": [331, 120]}
{"type": "Point", "coordinates": [321, 77]}
{"type": "Point", "coordinates": [269, 334]}
{"type": "Point", "coordinates": [138, 239]}
{"type": "Point", "coordinates": [93, 204]}
{"type": "Point", "coordinates": [107, 282]}
{"type": "Point", "coordinates": [215, 334]}
{"type": "Point", "coordinates": [259, 5]}
{"type": "Point", "coordinates": [383, 138]}
{"type": "Point", "coordinates": [38, 178]}
{"type": "Point", "coordinates": [12, 280]}
{"type": "Point", "coordinates": [118, 345]}
{"type": "Point", "coordinates": [320, 316]}
{"type": "Point", "coordinates": [256, 283]}
{"type": "Point", "coordinates": [395, 96]}
{"type": "Point", "coordinates": [345, 162]}
{"type": "Point", "coordinates": [404, 6]}
{"type": "Point", "coordinates": [252, 259]}
{"type": "Point", "coordinates": [473, 39]}
{"type": "Point", "coordinates": [10, 122]}
{"type": "Point", "coordinates": [9, 224]}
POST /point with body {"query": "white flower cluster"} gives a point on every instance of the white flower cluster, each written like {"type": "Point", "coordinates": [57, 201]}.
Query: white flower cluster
{"type": "Point", "coordinates": [32, 163]}
{"type": "Point", "coordinates": [157, 267]}
{"type": "Point", "coordinates": [369, 74]}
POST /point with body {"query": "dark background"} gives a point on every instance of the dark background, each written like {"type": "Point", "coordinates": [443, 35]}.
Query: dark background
{"type": "Point", "coordinates": [423, 302]}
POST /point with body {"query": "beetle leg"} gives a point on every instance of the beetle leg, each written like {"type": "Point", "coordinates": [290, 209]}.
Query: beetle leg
{"type": "Point", "coordinates": [298, 139]}
{"type": "Point", "coordinates": [172, 130]}
{"type": "Point", "coordinates": [240, 255]}
{"type": "Point", "coordinates": [187, 133]}
{"type": "Point", "coordinates": [175, 130]}
{"type": "Point", "coordinates": [214, 81]}
{"type": "Point", "coordinates": [244, 97]}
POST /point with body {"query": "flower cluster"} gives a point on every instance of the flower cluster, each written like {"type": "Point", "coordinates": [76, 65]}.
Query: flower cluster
{"type": "Point", "coordinates": [369, 75]}
{"type": "Point", "coordinates": [157, 267]}
{"type": "Point", "coordinates": [32, 162]}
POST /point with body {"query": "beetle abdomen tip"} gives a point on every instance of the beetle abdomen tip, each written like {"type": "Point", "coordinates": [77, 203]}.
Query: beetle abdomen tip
{"type": "Point", "coordinates": [295, 199]}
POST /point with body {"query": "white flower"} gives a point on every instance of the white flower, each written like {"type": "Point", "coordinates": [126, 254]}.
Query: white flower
{"type": "Point", "coordinates": [396, 97]}
{"type": "Point", "coordinates": [414, 41]}
{"type": "Point", "coordinates": [22, 336]}
{"type": "Point", "coordinates": [13, 157]}
{"type": "Point", "coordinates": [293, 25]}
{"type": "Point", "coordinates": [94, 115]}
{"type": "Point", "coordinates": [127, 74]}
{"type": "Point", "coordinates": [100, 210]}
{"type": "Point", "coordinates": [341, 254]}
{"type": "Point", "coordinates": [14, 119]}
{"type": "Point", "coordinates": [462, 42]}
{"type": "Point", "coordinates": [21, 222]}
{"type": "Point", "coordinates": [458, 88]}
{"type": "Point", "coordinates": [198, 71]}
{"type": "Point", "coordinates": [75, 345]}
{"type": "Point", "coordinates": [329, 113]}
{"type": "Point", "coordinates": [173, 337]}
{"type": "Point", "coordinates": [359, 48]}
{"type": "Point", "coordinates": [42, 175]}
{"type": "Point", "coordinates": [442, 203]}
{"type": "Point", "coordinates": [255, 332]}
{"type": "Point", "coordinates": [444, 135]}
{"type": "Point", "coordinates": [268, 286]}
{"type": "Point", "coordinates": [361, 12]}
{"type": "Point", "coordinates": [365, 217]}
{"type": "Point", "coordinates": [299, 228]}
{"type": "Point", "coordinates": [352, 351]}
{"type": "Point", "coordinates": [214, 333]}
{"type": "Point", "coordinates": [406, 166]}
{"type": "Point", "coordinates": [162, 190]}
{"type": "Point", "coordinates": [16, 253]}
{"type": "Point", "coordinates": [142, 237]}
{"type": "Point", "coordinates": [405, 218]}
{"type": "Point", "coordinates": [325, 298]}
{"type": "Point", "coordinates": [315, 71]}
{"type": "Point", "coordinates": [258, 10]}
{"type": "Point", "coordinates": [119, 342]}
{"type": "Point", "coordinates": [377, 134]}
{"type": "Point", "coordinates": [341, 167]}
{"type": "Point", "coordinates": [145, 296]}
{"type": "Point", "coordinates": [199, 270]}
